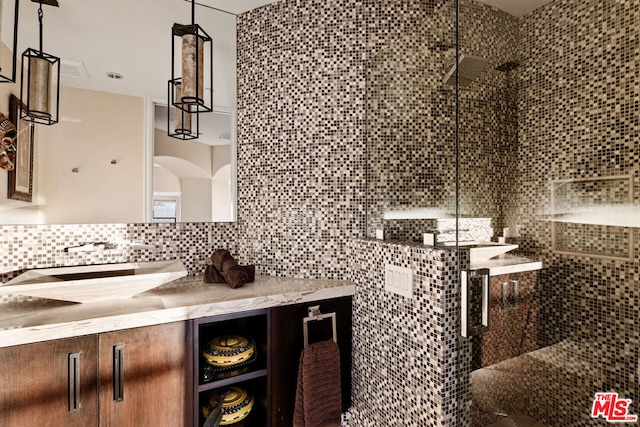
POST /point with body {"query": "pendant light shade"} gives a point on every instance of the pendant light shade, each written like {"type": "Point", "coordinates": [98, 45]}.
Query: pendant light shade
{"type": "Point", "coordinates": [192, 56]}
{"type": "Point", "coordinates": [181, 124]}
{"type": "Point", "coordinates": [40, 89]}
{"type": "Point", "coordinates": [9, 35]}
{"type": "Point", "coordinates": [192, 53]}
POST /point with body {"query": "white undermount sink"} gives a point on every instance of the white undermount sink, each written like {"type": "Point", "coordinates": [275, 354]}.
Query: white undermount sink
{"type": "Point", "coordinates": [90, 283]}
{"type": "Point", "coordinates": [480, 251]}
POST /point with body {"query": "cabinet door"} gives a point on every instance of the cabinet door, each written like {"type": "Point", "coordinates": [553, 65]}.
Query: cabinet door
{"type": "Point", "coordinates": [41, 385]}
{"type": "Point", "coordinates": [287, 343]}
{"type": "Point", "coordinates": [145, 376]}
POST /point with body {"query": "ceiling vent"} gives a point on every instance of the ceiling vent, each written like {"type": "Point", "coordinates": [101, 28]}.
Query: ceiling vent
{"type": "Point", "coordinates": [73, 69]}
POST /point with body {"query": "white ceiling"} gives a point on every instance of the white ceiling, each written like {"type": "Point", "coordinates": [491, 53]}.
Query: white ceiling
{"type": "Point", "coordinates": [516, 7]}
{"type": "Point", "coordinates": [129, 37]}
{"type": "Point", "coordinates": [133, 38]}
{"type": "Point", "coordinates": [235, 6]}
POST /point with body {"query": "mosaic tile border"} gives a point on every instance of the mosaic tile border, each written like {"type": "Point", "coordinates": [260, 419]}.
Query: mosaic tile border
{"type": "Point", "coordinates": [26, 247]}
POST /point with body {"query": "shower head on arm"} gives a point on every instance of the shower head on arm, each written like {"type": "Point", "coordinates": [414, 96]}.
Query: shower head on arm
{"type": "Point", "coordinates": [470, 67]}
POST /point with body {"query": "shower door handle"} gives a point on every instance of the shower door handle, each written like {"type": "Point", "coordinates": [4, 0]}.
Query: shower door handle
{"type": "Point", "coordinates": [475, 302]}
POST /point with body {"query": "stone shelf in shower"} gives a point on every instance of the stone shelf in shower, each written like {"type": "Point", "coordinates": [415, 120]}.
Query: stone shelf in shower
{"type": "Point", "coordinates": [507, 264]}
{"type": "Point", "coordinates": [417, 213]}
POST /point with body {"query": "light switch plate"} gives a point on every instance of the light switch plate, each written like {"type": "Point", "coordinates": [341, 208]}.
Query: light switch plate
{"type": "Point", "coordinates": [398, 280]}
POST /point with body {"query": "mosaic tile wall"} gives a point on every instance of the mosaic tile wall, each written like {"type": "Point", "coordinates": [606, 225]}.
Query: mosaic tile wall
{"type": "Point", "coordinates": [411, 122]}
{"type": "Point", "coordinates": [410, 128]}
{"type": "Point", "coordinates": [405, 350]}
{"type": "Point", "coordinates": [579, 107]}
{"type": "Point", "coordinates": [301, 148]}
{"type": "Point", "coordinates": [301, 129]}
{"type": "Point", "coordinates": [24, 247]}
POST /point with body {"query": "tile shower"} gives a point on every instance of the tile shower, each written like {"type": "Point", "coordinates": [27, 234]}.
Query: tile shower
{"type": "Point", "coordinates": [558, 102]}
{"type": "Point", "coordinates": [302, 81]}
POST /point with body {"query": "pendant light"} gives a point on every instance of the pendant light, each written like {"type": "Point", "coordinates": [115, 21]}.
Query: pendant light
{"type": "Point", "coordinates": [181, 124]}
{"type": "Point", "coordinates": [10, 36]}
{"type": "Point", "coordinates": [195, 50]}
{"type": "Point", "coordinates": [42, 81]}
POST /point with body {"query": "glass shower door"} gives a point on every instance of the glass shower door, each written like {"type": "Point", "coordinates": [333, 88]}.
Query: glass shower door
{"type": "Point", "coordinates": [548, 140]}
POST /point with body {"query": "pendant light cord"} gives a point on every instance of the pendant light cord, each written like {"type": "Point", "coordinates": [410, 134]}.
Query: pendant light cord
{"type": "Point", "coordinates": [193, 12]}
{"type": "Point", "coordinates": [40, 14]}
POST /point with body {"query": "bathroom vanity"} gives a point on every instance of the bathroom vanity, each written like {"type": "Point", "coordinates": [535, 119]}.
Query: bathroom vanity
{"type": "Point", "coordinates": [138, 361]}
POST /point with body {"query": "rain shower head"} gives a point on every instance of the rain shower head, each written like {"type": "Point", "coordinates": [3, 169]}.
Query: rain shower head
{"type": "Point", "coordinates": [508, 66]}
{"type": "Point", "coordinates": [470, 67]}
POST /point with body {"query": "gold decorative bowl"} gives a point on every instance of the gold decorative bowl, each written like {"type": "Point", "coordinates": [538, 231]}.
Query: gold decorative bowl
{"type": "Point", "coordinates": [229, 351]}
{"type": "Point", "coordinates": [236, 405]}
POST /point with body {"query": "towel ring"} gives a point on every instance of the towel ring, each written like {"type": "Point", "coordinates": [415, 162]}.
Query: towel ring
{"type": "Point", "coordinates": [315, 314]}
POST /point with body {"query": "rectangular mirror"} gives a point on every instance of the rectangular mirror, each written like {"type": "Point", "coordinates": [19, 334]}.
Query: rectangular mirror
{"type": "Point", "coordinates": [100, 163]}
{"type": "Point", "coordinates": [194, 180]}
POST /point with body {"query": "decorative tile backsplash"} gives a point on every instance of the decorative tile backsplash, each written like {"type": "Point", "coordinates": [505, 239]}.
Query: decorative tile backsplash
{"type": "Point", "coordinates": [24, 247]}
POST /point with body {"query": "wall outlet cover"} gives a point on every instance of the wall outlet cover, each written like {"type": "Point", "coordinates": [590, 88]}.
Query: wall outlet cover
{"type": "Point", "coordinates": [398, 280]}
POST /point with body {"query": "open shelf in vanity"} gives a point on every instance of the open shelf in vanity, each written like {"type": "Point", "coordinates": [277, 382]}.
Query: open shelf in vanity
{"type": "Point", "coordinates": [271, 378]}
{"type": "Point", "coordinates": [249, 376]}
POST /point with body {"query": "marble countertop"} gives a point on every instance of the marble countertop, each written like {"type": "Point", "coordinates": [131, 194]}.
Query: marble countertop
{"type": "Point", "coordinates": [182, 299]}
{"type": "Point", "coordinates": [507, 264]}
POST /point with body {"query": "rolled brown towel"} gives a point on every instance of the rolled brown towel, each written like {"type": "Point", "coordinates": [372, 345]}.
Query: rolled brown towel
{"type": "Point", "coordinates": [212, 275]}
{"type": "Point", "coordinates": [224, 268]}
{"type": "Point", "coordinates": [251, 272]}
{"type": "Point", "coordinates": [219, 257]}
{"type": "Point", "coordinates": [235, 276]}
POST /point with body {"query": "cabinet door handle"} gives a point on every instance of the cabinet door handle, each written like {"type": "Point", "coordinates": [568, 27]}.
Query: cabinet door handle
{"type": "Point", "coordinates": [118, 373]}
{"type": "Point", "coordinates": [73, 379]}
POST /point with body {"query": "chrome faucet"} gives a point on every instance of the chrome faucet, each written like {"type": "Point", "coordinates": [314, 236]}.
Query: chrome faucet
{"type": "Point", "coordinates": [140, 244]}
{"type": "Point", "coordinates": [90, 247]}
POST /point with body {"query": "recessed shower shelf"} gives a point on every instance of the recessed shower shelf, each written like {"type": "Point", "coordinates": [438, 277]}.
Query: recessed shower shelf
{"type": "Point", "coordinates": [594, 217]}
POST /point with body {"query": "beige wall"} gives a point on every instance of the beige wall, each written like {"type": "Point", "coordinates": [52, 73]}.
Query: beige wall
{"type": "Point", "coordinates": [198, 156]}
{"type": "Point", "coordinates": [95, 129]}
{"type": "Point", "coordinates": [204, 174]}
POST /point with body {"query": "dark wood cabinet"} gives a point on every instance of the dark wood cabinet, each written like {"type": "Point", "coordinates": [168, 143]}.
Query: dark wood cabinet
{"type": "Point", "coordinates": [287, 345]}
{"type": "Point", "coordinates": [144, 376]}
{"type": "Point", "coordinates": [157, 376]}
{"type": "Point", "coordinates": [125, 378]}
{"type": "Point", "coordinates": [51, 383]}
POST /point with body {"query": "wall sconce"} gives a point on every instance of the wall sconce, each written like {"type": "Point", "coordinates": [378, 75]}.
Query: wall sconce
{"type": "Point", "coordinates": [42, 81]}
{"type": "Point", "coordinates": [195, 46]}
{"type": "Point", "coordinates": [180, 124]}
{"type": "Point", "coordinates": [10, 35]}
